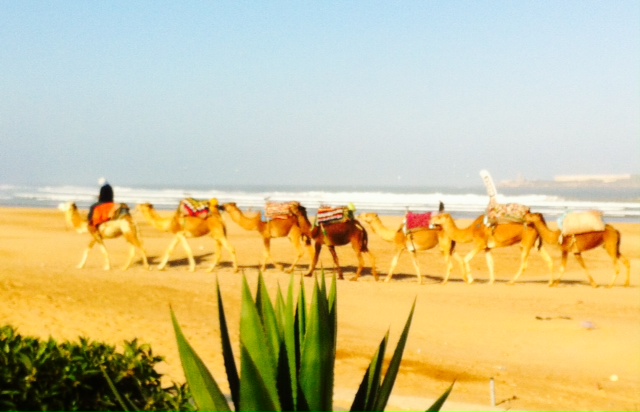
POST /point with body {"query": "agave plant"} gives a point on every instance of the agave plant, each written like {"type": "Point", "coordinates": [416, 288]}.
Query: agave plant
{"type": "Point", "coordinates": [287, 356]}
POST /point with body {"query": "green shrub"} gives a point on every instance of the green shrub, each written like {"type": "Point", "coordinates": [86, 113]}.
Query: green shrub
{"type": "Point", "coordinates": [287, 356]}
{"type": "Point", "coordinates": [44, 375]}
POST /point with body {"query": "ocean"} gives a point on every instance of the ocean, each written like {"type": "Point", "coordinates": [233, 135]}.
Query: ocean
{"type": "Point", "coordinates": [618, 205]}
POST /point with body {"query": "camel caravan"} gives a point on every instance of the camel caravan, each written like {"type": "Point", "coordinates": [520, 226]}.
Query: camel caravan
{"type": "Point", "coordinates": [501, 225]}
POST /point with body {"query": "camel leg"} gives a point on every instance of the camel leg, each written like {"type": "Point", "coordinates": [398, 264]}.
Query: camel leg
{"type": "Point", "coordinates": [394, 263]}
{"type": "Point", "coordinates": [465, 275]}
{"type": "Point", "coordinates": [85, 254]}
{"type": "Point", "coordinates": [414, 259]}
{"type": "Point", "coordinates": [374, 272]}
{"type": "Point", "coordinates": [581, 261]}
{"type": "Point", "coordinates": [218, 253]}
{"type": "Point", "coordinates": [563, 267]}
{"type": "Point", "coordinates": [547, 258]}
{"type": "Point", "coordinates": [314, 260]}
{"type": "Point", "coordinates": [135, 245]}
{"type": "Point", "coordinates": [467, 259]}
{"type": "Point", "coordinates": [336, 262]}
{"type": "Point", "coordinates": [132, 254]}
{"type": "Point", "coordinates": [627, 265]}
{"type": "Point", "coordinates": [360, 266]}
{"type": "Point", "coordinates": [524, 257]}
{"type": "Point", "coordinates": [133, 238]}
{"type": "Point", "coordinates": [294, 237]}
{"type": "Point", "coordinates": [107, 261]}
{"type": "Point", "coordinates": [616, 257]}
{"type": "Point", "coordinates": [489, 257]}
{"type": "Point", "coordinates": [185, 245]}
{"type": "Point", "coordinates": [168, 252]}
{"type": "Point", "coordinates": [448, 265]}
{"type": "Point", "coordinates": [232, 252]}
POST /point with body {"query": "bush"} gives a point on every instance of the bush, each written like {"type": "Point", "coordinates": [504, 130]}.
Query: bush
{"type": "Point", "coordinates": [44, 375]}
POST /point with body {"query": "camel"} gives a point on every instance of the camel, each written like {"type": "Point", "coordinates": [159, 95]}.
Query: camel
{"type": "Point", "coordinates": [420, 240]}
{"type": "Point", "coordinates": [191, 227]}
{"type": "Point", "coordinates": [579, 243]}
{"type": "Point", "coordinates": [336, 234]}
{"type": "Point", "coordinates": [486, 238]}
{"type": "Point", "coordinates": [111, 229]}
{"type": "Point", "coordinates": [275, 228]}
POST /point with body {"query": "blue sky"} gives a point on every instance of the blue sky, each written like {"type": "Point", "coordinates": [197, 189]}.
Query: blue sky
{"type": "Point", "coordinates": [416, 93]}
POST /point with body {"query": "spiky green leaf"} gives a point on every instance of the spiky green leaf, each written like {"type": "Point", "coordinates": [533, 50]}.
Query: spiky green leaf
{"type": "Point", "coordinates": [204, 389]}
{"type": "Point", "coordinates": [256, 348]}
{"type": "Point", "coordinates": [394, 365]}
{"type": "Point", "coordinates": [368, 391]}
{"type": "Point", "coordinates": [318, 355]}
{"type": "Point", "coordinates": [227, 353]}
{"type": "Point", "coordinates": [437, 405]}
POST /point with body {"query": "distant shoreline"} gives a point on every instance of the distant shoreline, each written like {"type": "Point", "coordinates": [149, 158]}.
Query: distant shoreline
{"type": "Point", "coordinates": [633, 183]}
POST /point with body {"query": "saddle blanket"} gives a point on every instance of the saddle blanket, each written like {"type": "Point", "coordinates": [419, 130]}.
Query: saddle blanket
{"type": "Point", "coordinates": [575, 223]}
{"type": "Point", "coordinates": [506, 213]}
{"type": "Point", "coordinates": [278, 210]}
{"type": "Point", "coordinates": [415, 221]}
{"type": "Point", "coordinates": [108, 211]}
{"type": "Point", "coordinates": [194, 207]}
{"type": "Point", "coordinates": [328, 214]}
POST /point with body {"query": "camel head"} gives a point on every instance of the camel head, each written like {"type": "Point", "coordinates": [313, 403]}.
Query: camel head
{"type": "Point", "coordinates": [143, 207]}
{"type": "Point", "coordinates": [67, 207]}
{"type": "Point", "coordinates": [228, 206]}
{"type": "Point", "coordinates": [297, 209]}
{"type": "Point", "coordinates": [440, 219]}
{"type": "Point", "coordinates": [533, 217]}
{"type": "Point", "coordinates": [215, 205]}
{"type": "Point", "coordinates": [368, 217]}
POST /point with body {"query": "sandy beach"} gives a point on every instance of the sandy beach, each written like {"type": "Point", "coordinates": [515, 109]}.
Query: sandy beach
{"type": "Point", "coordinates": [571, 347]}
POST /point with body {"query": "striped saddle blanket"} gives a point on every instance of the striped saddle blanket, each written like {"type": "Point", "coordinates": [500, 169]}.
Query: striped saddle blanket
{"type": "Point", "coordinates": [109, 211]}
{"type": "Point", "coordinates": [278, 210]}
{"type": "Point", "coordinates": [417, 221]}
{"type": "Point", "coordinates": [194, 208]}
{"type": "Point", "coordinates": [329, 214]}
{"type": "Point", "coordinates": [575, 223]}
{"type": "Point", "coordinates": [505, 213]}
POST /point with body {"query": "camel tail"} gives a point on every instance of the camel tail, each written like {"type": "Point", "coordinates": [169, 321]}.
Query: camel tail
{"type": "Point", "coordinates": [365, 237]}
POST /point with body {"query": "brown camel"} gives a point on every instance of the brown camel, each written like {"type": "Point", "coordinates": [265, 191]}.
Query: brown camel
{"type": "Point", "coordinates": [123, 226]}
{"type": "Point", "coordinates": [191, 227]}
{"type": "Point", "coordinates": [577, 244]}
{"type": "Point", "coordinates": [486, 238]}
{"type": "Point", "coordinates": [336, 234]}
{"type": "Point", "coordinates": [419, 240]}
{"type": "Point", "coordinates": [275, 228]}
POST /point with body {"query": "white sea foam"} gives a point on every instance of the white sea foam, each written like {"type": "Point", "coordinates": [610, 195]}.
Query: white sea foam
{"type": "Point", "coordinates": [381, 201]}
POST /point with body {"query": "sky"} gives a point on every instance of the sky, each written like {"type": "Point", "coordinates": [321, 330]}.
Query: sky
{"type": "Point", "coordinates": [340, 93]}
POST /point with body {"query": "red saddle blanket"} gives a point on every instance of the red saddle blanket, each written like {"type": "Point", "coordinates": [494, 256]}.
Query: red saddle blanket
{"type": "Point", "coordinates": [328, 214]}
{"type": "Point", "coordinates": [575, 223]}
{"type": "Point", "coordinates": [416, 221]}
{"type": "Point", "coordinates": [278, 210]}
{"type": "Point", "coordinates": [194, 207]}
{"type": "Point", "coordinates": [108, 211]}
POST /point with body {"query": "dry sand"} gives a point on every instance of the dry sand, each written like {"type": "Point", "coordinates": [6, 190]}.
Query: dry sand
{"type": "Point", "coordinates": [571, 347]}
